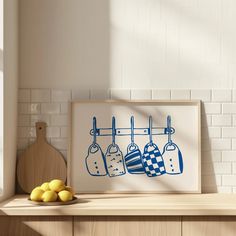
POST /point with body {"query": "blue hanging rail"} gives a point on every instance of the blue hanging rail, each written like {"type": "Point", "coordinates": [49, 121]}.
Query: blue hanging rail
{"type": "Point", "coordinates": [128, 131]}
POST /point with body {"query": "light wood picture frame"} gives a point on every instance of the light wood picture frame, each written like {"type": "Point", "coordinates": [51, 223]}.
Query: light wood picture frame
{"type": "Point", "coordinates": [141, 146]}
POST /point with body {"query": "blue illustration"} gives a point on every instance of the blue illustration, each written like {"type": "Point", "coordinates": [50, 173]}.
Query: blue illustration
{"type": "Point", "coordinates": [172, 155]}
{"type": "Point", "coordinates": [152, 158]}
{"type": "Point", "coordinates": [95, 160]}
{"type": "Point", "coordinates": [133, 158]}
{"type": "Point", "coordinates": [114, 157]}
{"type": "Point", "coordinates": [152, 162]}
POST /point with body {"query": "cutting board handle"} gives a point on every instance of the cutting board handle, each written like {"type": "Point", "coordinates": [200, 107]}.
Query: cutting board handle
{"type": "Point", "coordinates": [41, 131]}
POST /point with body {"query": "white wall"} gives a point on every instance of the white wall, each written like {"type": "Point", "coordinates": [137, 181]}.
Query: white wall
{"type": "Point", "coordinates": [127, 43]}
{"type": "Point", "coordinates": [1, 96]}
{"type": "Point", "coordinates": [146, 44]}
{"type": "Point", "coordinates": [10, 74]}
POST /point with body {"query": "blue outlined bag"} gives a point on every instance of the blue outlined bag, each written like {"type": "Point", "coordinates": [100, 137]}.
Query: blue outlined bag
{"type": "Point", "coordinates": [114, 161]}
{"type": "Point", "coordinates": [95, 161]}
{"type": "Point", "coordinates": [173, 159]}
{"type": "Point", "coordinates": [133, 158]}
{"type": "Point", "coordinates": [114, 157]}
{"type": "Point", "coordinates": [172, 155]}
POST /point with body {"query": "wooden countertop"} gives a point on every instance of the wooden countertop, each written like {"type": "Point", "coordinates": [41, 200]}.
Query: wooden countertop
{"type": "Point", "coordinates": [127, 204]}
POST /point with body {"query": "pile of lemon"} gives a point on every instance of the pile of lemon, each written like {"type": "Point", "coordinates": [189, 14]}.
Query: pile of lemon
{"type": "Point", "coordinates": [52, 191]}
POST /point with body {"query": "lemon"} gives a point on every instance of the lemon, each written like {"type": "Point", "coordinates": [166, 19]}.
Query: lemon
{"type": "Point", "coordinates": [70, 189]}
{"type": "Point", "coordinates": [45, 186]}
{"type": "Point", "coordinates": [36, 194]}
{"type": "Point", "coordinates": [65, 196]}
{"type": "Point", "coordinates": [49, 196]}
{"type": "Point", "coordinates": [38, 187]}
{"type": "Point", "coordinates": [57, 185]}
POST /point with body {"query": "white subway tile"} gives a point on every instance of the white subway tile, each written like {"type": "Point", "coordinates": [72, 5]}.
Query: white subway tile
{"type": "Point", "coordinates": [211, 132]}
{"type": "Point", "coordinates": [22, 143]}
{"type": "Point", "coordinates": [201, 94]}
{"type": "Point", "coordinates": [50, 108]}
{"type": "Point", "coordinates": [211, 108]}
{"type": "Point", "coordinates": [24, 95]}
{"type": "Point", "coordinates": [53, 132]}
{"type": "Point", "coordinates": [180, 94]}
{"type": "Point", "coordinates": [26, 132]}
{"type": "Point", "coordinates": [24, 120]}
{"type": "Point", "coordinates": [61, 95]}
{"type": "Point", "coordinates": [234, 95]}
{"type": "Point", "coordinates": [211, 180]}
{"type": "Point", "coordinates": [224, 189]}
{"type": "Point", "coordinates": [80, 94]}
{"type": "Point", "coordinates": [161, 94]}
{"type": "Point", "coordinates": [23, 108]}
{"type": "Point", "coordinates": [234, 189]}
{"type": "Point", "coordinates": [229, 156]}
{"type": "Point", "coordinates": [221, 95]}
{"type": "Point", "coordinates": [120, 94]}
{"type": "Point", "coordinates": [39, 118]}
{"type": "Point", "coordinates": [64, 132]}
{"type": "Point", "coordinates": [211, 156]}
{"type": "Point", "coordinates": [29, 108]}
{"type": "Point", "coordinates": [229, 108]}
{"type": "Point", "coordinates": [220, 144]}
{"type": "Point", "coordinates": [234, 169]}
{"type": "Point", "coordinates": [222, 168]}
{"type": "Point", "coordinates": [234, 120]}
{"type": "Point", "coordinates": [234, 144]}
{"type": "Point", "coordinates": [60, 143]}
{"type": "Point", "coordinates": [228, 180]}
{"type": "Point", "coordinates": [99, 94]}
{"type": "Point", "coordinates": [137, 94]}
{"type": "Point", "coordinates": [59, 120]}
{"type": "Point", "coordinates": [64, 107]}
{"type": "Point", "coordinates": [217, 168]}
{"type": "Point", "coordinates": [205, 120]}
{"type": "Point", "coordinates": [40, 95]}
{"type": "Point", "coordinates": [228, 132]}
{"type": "Point", "coordinates": [221, 120]}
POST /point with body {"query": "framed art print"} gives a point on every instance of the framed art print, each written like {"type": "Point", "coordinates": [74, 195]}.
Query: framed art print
{"type": "Point", "coordinates": [135, 147]}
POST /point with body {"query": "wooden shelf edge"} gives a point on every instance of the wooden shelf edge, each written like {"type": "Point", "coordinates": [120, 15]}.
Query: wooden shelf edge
{"type": "Point", "coordinates": [128, 205]}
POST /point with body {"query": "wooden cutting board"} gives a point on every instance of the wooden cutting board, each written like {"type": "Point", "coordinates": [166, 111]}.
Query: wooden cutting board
{"type": "Point", "coordinates": [40, 162]}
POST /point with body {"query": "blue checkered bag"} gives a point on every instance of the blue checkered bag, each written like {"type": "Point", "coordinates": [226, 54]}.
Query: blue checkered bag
{"type": "Point", "coordinates": [152, 160]}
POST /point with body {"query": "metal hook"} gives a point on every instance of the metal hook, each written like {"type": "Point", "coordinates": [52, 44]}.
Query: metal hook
{"type": "Point", "coordinates": [150, 128]}
{"type": "Point", "coordinates": [132, 129]}
{"type": "Point", "coordinates": [94, 130]}
{"type": "Point", "coordinates": [169, 128]}
{"type": "Point", "coordinates": [113, 130]}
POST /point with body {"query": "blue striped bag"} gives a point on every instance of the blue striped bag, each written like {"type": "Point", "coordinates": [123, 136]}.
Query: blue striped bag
{"type": "Point", "coordinates": [133, 160]}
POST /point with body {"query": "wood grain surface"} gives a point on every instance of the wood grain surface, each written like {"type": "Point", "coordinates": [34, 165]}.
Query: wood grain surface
{"type": "Point", "coordinates": [40, 162]}
{"type": "Point", "coordinates": [129, 205]}
{"type": "Point", "coordinates": [36, 226]}
{"type": "Point", "coordinates": [127, 226]}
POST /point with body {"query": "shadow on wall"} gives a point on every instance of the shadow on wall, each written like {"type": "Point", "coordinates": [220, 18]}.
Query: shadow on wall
{"type": "Point", "coordinates": [1, 60]}
{"type": "Point", "coordinates": [1, 121]}
{"type": "Point", "coordinates": [65, 44]}
{"type": "Point", "coordinates": [209, 182]}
